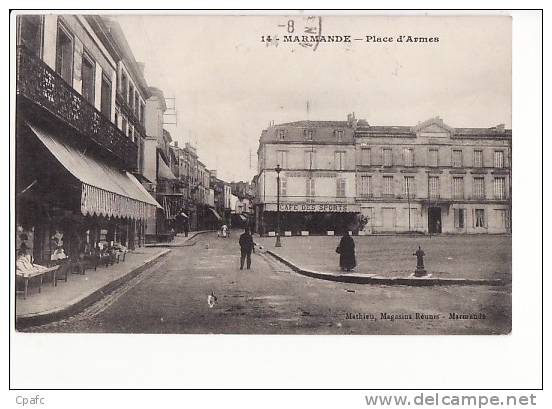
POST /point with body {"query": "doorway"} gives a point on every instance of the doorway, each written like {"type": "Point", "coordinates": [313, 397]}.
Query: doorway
{"type": "Point", "coordinates": [434, 220]}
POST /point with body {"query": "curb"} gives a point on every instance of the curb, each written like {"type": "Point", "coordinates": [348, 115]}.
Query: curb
{"type": "Point", "coordinates": [183, 244]}
{"type": "Point", "coordinates": [364, 279]}
{"type": "Point", "coordinates": [25, 321]}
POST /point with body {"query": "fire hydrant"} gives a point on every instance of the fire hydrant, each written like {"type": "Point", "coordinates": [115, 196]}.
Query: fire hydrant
{"type": "Point", "coordinates": [420, 269]}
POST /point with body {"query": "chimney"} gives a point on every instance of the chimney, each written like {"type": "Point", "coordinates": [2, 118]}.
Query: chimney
{"type": "Point", "coordinates": [351, 120]}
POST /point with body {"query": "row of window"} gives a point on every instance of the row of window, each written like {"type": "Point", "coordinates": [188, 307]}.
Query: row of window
{"type": "Point", "coordinates": [408, 158]}
{"type": "Point", "coordinates": [434, 186]}
{"type": "Point", "coordinates": [310, 187]}
{"type": "Point", "coordinates": [65, 64]}
{"type": "Point", "coordinates": [478, 217]}
{"type": "Point", "coordinates": [309, 134]}
{"type": "Point", "coordinates": [310, 159]}
{"type": "Point", "coordinates": [366, 188]}
{"type": "Point", "coordinates": [31, 28]}
{"type": "Point", "coordinates": [432, 157]}
{"type": "Point", "coordinates": [132, 97]}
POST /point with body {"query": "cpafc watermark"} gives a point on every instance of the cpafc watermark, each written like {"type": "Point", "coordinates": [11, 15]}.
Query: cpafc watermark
{"type": "Point", "coordinates": [34, 400]}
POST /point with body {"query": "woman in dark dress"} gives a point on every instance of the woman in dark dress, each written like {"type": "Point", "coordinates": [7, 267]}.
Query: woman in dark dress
{"type": "Point", "coordinates": [346, 250]}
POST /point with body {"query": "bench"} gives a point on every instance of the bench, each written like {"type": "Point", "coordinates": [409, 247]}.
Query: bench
{"type": "Point", "coordinates": [26, 276]}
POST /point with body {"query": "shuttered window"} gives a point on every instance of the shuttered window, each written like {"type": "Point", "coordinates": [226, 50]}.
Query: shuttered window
{"type": "Point", "coordinates": [459, 218]}
{"type": "Point", "coordinates": [366, 156]}
{"type": "Point", "coordinates": [433, 157]}
{"type": "Point", "coordinates": [409, 188]}
{"type": "Point", "coordinates": [282, 159]}
{"type": "Point", "coordinates": [499, 188]}
{"type": "Point", "coordinates": [434, 186]}
{"type": "Point", "coordinates": [310, 187]}
{"type": "Point", "coordinates": [479, 188]}
{"type": "Point", "coordinates": [283, 186]}
{"type": "Point", "coordinates": [339, 160]}
{"type": "Point", "coordinates": [499, 159]}
{"type": "Point", "coordinates": [387, 157]}
{"type": "Point", "coordinates": [458, 187]}
{"type": "Point", "coordinates": [340, 187]}
{"type": "Point", "coordinates": [388, 185]}
{"type": "Point", "coordinates": [477, 159]}
{"type": "Point", "coordinates": [502, 218]}
{"type": "Point", "coordinates": [310, 159]}
{"type": "Point", "coordinates": [408, 156]}
{"type": "Point", "coordinates": [456, 158]}
{"type": "Point", "coordinates": [366, 185]}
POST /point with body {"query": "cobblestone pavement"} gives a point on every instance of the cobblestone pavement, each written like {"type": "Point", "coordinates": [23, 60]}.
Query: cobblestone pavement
{"type": "Point", "coordinates": [172, 297]}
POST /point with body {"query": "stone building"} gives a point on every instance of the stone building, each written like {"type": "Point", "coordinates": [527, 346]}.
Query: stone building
{"type": "Point", "coordinates": [428, 178]}
{"type": "Point", "coordinates": [76, 164]}
{"type": "Point", "coordinates": [317, 181]}
{"type": "Point", "coordinates": [433, 178]}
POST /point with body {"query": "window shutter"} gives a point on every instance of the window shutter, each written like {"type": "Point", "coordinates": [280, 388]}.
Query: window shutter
{"type": "Point", "coordinates": [473, 218]}
{"type": "Point", "coordinates": [456, 218]}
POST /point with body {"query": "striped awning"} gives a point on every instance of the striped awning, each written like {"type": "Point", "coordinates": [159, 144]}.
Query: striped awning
{"type": "Point", "coordinates": [106, 190]}
{"type": "Point", "coordinates": [163, 170]}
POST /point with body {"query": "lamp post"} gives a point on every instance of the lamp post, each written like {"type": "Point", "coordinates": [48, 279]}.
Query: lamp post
{"type": "Point", "coordinates": [278, 170]}
{"type": "Point", "coordinates": [408, 199]}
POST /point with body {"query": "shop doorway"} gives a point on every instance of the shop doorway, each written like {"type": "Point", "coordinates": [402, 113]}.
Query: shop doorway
{"type": "Point", "coordinates": [434, 220]}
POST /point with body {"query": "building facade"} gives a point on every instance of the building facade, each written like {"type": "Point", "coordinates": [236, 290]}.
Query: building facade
{"type": "Point", "coordinates": [75, 168]}
{"type": "Point", "coordinates": [429, 178]}
{"type": "Point", "coordinates": [432, 178]}
{"type": "Point", "coordinates": [317, 179]}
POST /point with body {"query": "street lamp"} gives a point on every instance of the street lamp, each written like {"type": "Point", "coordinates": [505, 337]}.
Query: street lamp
{"type": "Point", "coordinates": [278, 170]}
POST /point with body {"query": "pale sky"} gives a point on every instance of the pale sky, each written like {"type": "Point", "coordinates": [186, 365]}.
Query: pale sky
{"type": "Point", "coordinates": [229, 85]}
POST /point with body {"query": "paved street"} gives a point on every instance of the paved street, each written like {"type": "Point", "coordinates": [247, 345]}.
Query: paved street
{"type": "Point", "coordinates": [171, 297]}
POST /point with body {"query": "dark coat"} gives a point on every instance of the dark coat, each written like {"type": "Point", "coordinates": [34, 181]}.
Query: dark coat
{"type": "Point", "coordinates": [346, 248]}
{"type": "Point", "coordinates": [246, 242]}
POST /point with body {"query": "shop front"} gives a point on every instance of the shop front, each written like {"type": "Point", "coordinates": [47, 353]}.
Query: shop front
{"type": "Point", "coordinates": [70, 202]}
{"type": "Point", "coordinates": [296, 218]}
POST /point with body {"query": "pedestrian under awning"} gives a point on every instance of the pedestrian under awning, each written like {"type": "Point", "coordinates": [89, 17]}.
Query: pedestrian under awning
{"type": "Point", "coordinates": [105, 190]}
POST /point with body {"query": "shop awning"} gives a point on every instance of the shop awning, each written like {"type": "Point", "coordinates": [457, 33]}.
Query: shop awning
{"type": "Point", "coordinates": [163, 170]}
{"type": "Point", "coordinates": [215, 213]}
{"type": "Point", "coordinates": [106, 191]}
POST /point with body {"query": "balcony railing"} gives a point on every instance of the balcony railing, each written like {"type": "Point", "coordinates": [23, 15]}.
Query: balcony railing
{"type": "Point", "coordinates": [37, 82]}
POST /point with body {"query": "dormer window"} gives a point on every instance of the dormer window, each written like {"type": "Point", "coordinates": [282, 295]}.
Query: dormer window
{"type": "Point", "coordinates": [281, 134]}
{"type": "Point", "coordinates": [309, 133]}
{"type": "Point", "coordinates": [339, 135]}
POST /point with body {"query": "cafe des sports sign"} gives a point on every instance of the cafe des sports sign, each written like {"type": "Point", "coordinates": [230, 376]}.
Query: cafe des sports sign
{"type": "Point", "coordinates": [314, 207]}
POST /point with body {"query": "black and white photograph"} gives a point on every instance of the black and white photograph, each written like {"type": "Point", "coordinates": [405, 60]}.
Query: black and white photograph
{"type": "Point", "coordinates": [276, 174]}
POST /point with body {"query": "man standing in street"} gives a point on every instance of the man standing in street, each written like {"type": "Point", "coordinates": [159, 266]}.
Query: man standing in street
{"type": "Point", "coordinates": [246, 246]}
{"type": "Point", "coordinates": [186, 227]}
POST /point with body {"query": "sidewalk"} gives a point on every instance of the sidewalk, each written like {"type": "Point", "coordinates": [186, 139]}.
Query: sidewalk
{"type": "Point", "coordinates": [80, 291]}
{"type": "Point", "coordinates": [460, 260]}
{"type": "Point", "coordinates": [180, 240]}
